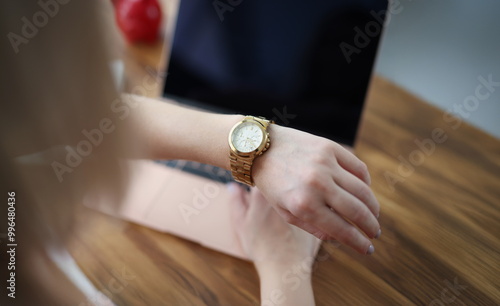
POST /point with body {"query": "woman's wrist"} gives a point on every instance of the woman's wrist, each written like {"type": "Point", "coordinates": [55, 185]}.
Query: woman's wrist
{"type": "Point", "coordinates": [213, 146]}
{"type": "Point", "coordinates": [286, 285]}
{"type": "Point", "coordinates": [269, 270]}
{"type": "Point", "coordinates": [226, 122]}
{"type": "Point", "coordinates": [169, 131]}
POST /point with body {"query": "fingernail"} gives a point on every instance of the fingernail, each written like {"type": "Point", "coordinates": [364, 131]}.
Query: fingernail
{"type": "Point", "coordinates": [378, 233]}
{"type": "Point", "coordinates": [371, 249]}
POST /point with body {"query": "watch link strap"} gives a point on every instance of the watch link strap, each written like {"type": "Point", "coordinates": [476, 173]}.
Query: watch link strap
{"type": "Point", "coordinates": [241, 168]}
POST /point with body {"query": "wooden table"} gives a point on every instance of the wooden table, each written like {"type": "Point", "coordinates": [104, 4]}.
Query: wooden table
{"type": "Point", "coordinates": [440, 221]}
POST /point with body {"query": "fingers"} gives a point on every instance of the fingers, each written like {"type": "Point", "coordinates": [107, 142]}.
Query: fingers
{"type": "Point", "coordinates": [314, 216]}
{"type": "Point", "coordinates": [352, 209]}
{"type": "Point", "coordinates": [358, 189]}
{"type": "Point", "coordinates": [352, 164]}
{"type": "Point", "coordinates": [291, 219]}
{"type": "Point", "coordinates": [343, 231]}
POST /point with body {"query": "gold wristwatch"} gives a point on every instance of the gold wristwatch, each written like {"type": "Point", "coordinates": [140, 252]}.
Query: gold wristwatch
{"type": "Point", "coordinates": [248, 139]}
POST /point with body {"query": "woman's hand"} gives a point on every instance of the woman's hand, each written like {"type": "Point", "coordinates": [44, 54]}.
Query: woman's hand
{"type": "Point", "coordinates": [283, 254]}
{"type": "Point", "coordinates": [319, 186]}
{"type": "Point", "coordinates": [264, 236]}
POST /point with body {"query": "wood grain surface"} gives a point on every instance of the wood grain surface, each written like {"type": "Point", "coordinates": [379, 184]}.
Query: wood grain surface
{"type": "Point", "coordinates": [439, 246]}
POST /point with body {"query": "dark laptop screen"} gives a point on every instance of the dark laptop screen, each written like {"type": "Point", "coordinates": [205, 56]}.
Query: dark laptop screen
{"type": "Point", "coordinates": [305, 64]}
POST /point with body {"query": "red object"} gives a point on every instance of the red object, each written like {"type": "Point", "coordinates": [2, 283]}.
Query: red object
{"type": "Point", "coordinates": [139, 20]}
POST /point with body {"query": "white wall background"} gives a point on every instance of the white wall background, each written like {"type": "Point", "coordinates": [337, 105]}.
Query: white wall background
{"type": "Point", "coordinates": [438, 49]}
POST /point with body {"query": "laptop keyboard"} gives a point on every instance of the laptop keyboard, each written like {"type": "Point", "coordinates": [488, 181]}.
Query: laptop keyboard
{"type": "Point", "coordinates": [203, 170]}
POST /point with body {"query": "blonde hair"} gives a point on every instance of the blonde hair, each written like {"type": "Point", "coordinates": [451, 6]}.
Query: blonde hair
{"type": "Point", "coordinates": [56, 91]}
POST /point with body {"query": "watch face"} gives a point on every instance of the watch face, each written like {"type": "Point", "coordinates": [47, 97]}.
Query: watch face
{"type": "Point", "coordinates": [247, 137]}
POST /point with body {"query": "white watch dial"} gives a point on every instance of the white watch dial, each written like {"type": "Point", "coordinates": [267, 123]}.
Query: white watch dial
{"type": "Point", "coordinates": [247, 137]}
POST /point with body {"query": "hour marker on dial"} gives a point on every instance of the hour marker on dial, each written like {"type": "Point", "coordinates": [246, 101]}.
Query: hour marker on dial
{"type": "Point", "coordinates": [247, 137]}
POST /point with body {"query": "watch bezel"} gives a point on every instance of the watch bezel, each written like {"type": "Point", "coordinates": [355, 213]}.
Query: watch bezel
{"type": "Point", "coordinates": [261, 146]}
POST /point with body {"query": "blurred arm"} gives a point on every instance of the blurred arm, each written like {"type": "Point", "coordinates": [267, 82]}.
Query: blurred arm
{"type": "Point", "coordinates": [170, 131]}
